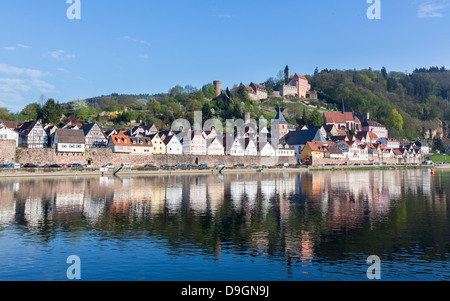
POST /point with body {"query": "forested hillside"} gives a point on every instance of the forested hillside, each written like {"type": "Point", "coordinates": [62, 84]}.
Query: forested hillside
{"type": "Point", "coordinates": [421, 98]}
{"type": "Point", "coordinates": [408, 104]}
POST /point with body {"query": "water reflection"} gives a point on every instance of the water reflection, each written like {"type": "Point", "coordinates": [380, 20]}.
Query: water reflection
{"type": "Point", "coordinates": [297, 218]}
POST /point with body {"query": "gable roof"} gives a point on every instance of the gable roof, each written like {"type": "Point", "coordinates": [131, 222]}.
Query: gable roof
{"type": "Point", "coordinates": [10, 124]}
{"type": "Point", "coordinates": [218, 138]}
{"type": "Point", "coordinates": [136, 141]}
{"type": "Point", "coordinates": [334, 150]}
{"type": "Point", "coordinates": [302, 137]}
{"type": "Point", "coordinates": [316, 146]}
{"type": "Point", "coordinates": [372, 123]}
{"type": "Point", "coordinates": [88, 127]}
{"type": "Point", "coordinates": [26, 127]}
{"type": "Point", "coordinates": [120, 140]}
{"type": "Point", "coordinates": [70, 136]}
{"type": "Point", "coordinates": [339, 117]}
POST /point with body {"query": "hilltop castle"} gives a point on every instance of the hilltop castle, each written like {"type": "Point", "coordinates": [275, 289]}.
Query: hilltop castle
{"type": "Point", "coordinates": [297, 86]}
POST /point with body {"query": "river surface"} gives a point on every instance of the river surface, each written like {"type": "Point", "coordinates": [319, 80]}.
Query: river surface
{"type": "Point", "coordinates": [239, 227]}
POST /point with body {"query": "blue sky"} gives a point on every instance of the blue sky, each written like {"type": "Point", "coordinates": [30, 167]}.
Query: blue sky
{"type": "Point", "coordinates": [146, 46]}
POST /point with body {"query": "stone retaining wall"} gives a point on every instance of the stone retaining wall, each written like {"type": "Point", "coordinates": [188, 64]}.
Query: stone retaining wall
{"type": "Point", "coordinates": [99, 157]}
{"type": "Point", "coordinates": [7, 151]}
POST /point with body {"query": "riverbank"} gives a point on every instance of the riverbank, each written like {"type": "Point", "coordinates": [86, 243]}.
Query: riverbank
{"type": "Point", "coordinates": [140, 171]}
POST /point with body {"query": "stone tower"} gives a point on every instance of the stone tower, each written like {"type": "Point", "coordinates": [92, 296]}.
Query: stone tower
{"type": "Point", "coordinates": [218, 86]}
{"type": "Point", "coordinates": [287, 75]}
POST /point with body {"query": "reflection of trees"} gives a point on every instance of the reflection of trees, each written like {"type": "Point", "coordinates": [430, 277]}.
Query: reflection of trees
{"type": "Point", "coordinates": [295, 216]}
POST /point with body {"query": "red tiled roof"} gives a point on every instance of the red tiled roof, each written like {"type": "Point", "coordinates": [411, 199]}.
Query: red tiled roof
{"type": "Point", "coordinates": [298, 76]}
{"type": "Point", "coordinates": [316, 146]}
{"type": "Point", "coordinates": [339, 117]}
{"type": "Point", "coordinates": [372, 135]}
{"type": "Point", "coordinates": [121, 140]}
{"type": "Point", "coordinates": [397, 152]}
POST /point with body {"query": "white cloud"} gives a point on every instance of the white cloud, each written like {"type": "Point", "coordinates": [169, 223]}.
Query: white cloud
{"type": "Point", "coordinates": [12, 70]}
{"type": "Point", "coordinates": [11, 48]}
{"type": "Point", "coordinates": [16, 84]}
{"type": "Point", "coordinates": [61, 55]}
{"type": "Point", "coordinates": [143, 56]}
{"type": "Point", "coordinates": [23, 46]}
{"type": "Point", "coordinates": [140, 41]}
{"type": "Point", "coordinates": [9, 85]}
{"type": "Point", "coordinates": [431, 9]}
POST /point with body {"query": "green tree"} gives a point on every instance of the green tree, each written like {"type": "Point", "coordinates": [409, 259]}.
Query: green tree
{"type": "Point", "coordinates": [6, 115]}
{"type": "Point", "coordinates": [315, 119]}
{"type": "Point", "coordinates": [84, 114]}
{"type": "Point", "coordinates": [304, 117]}
{"type": "Point", "coordinates": [397, 120]}
{"type": "Point", "coordinates": [209, 90]}
{"type": "Point", "coordinates": [206, 112]}
{"type": "Point", "coordinates": [51, 112]}
{"type": "Point", "coordinates": [30, 112]}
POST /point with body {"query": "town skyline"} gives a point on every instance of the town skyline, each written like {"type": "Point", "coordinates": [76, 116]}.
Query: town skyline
{"type": "Point", "coordinates": [147, 48]}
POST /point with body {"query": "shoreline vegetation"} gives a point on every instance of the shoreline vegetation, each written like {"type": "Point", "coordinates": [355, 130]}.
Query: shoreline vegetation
{"type": "Point", "coordinates": [140, 171]}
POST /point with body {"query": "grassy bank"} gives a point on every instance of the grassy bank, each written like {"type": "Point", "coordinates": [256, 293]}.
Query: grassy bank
{"type": "Point", "coordinates": [440, 158]}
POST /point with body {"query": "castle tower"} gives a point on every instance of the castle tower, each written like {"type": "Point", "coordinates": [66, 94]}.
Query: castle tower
{"type": "Point", "coordinates": [287, 75]}
{"type": "Point", "coordinates": [218, 85]}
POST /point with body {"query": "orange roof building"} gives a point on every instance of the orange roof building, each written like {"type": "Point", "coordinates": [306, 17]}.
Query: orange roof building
{"type": "Point", "coordinates": [120, 143]}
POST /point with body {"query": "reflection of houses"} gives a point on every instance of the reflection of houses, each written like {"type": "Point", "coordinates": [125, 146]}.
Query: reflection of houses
{"type": "Point", "coordinates": [7, 205]}
{"type": "Point", "coordinates": [174, 195]}
{"type": "Point", "coordinates": [34, 212]}
{"type": "Point", "coordinates": [216, 192]}
{"type": "Point", "coordinates": [198, 195]}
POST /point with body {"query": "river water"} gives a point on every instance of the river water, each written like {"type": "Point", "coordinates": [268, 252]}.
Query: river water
{"type": "Point", "coordinates": [237, 227]}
